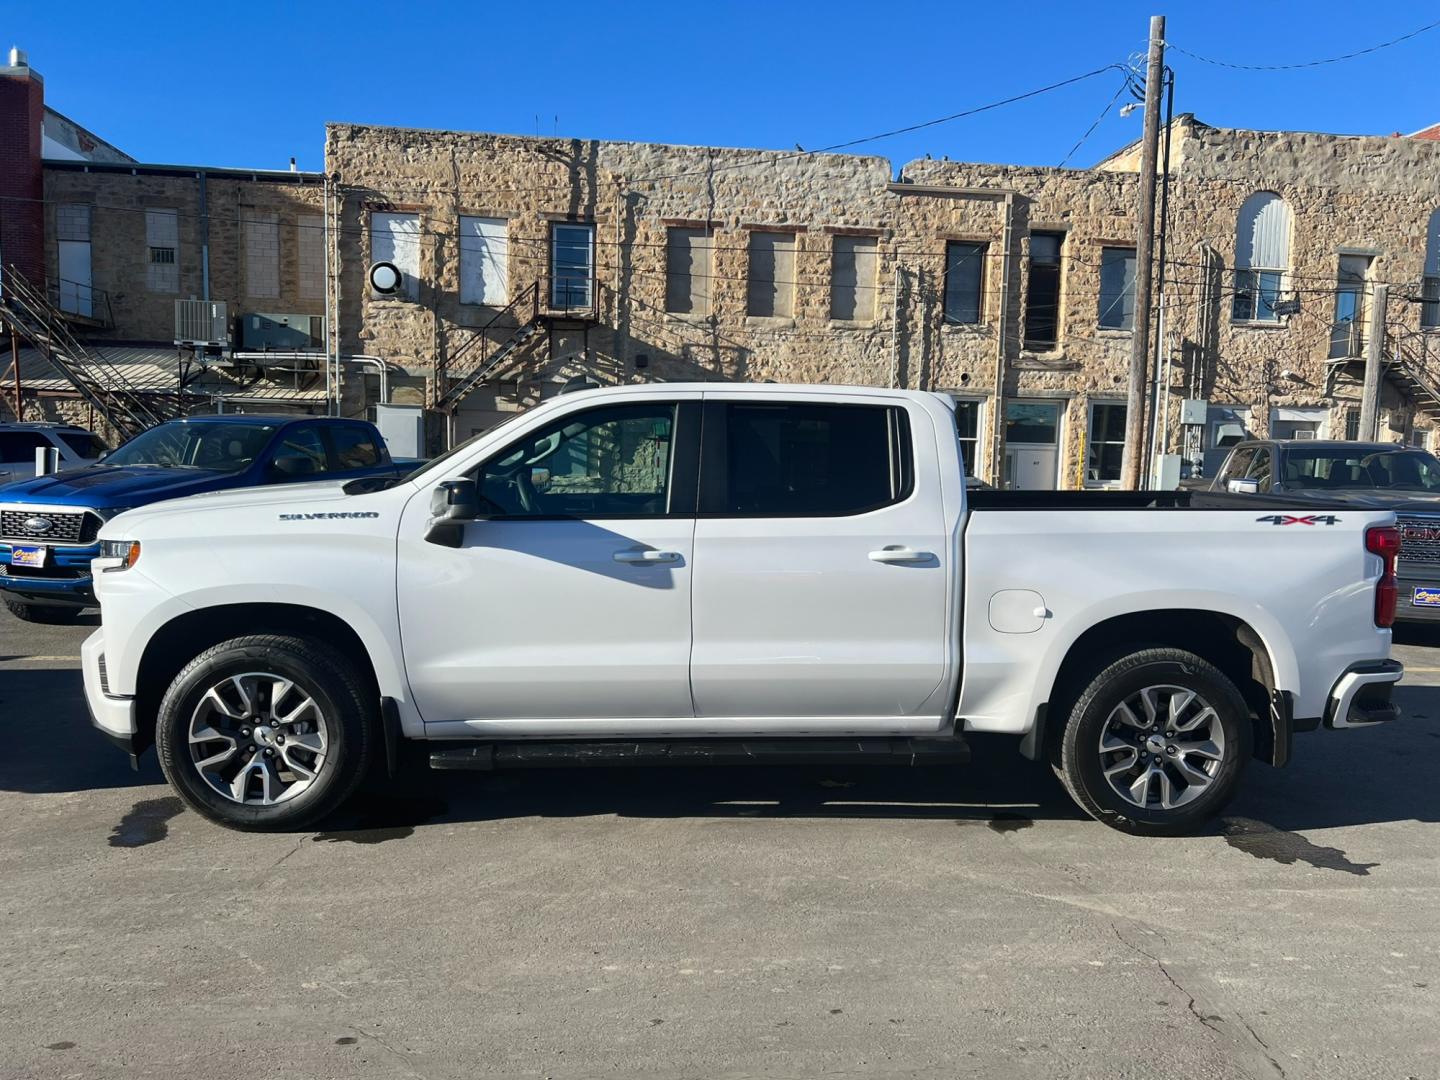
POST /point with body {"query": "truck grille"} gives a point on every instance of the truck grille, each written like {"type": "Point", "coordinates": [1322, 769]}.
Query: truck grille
{"type": "Point", "coordinates": [1419, 538]}
{"type": "Point", "coordinates": [67, 528]}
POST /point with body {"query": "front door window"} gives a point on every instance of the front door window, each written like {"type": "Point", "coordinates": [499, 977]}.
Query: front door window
{"type": "Point", "coordinates": [572, 266]}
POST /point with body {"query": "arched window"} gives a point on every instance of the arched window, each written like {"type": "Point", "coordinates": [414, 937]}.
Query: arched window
{"type": "Point", "coordinates": [1430, 287]}
{"type": "Point", "coordinates": [1262, 257]}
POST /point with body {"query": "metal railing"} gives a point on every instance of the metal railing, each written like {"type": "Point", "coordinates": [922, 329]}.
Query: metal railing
{"type": "Point", "coordinates": [81, 299]}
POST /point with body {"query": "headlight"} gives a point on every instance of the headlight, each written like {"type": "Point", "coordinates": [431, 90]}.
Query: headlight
{"type": "Point", "coordinates": [127, 551]}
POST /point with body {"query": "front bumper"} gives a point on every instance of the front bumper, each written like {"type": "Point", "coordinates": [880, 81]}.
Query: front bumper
{"type": "Point", "coordinates": [113, 716]}
{"type": "Point", "coordinates": [1361, 697]}
{"type": "Point", "coordinates": [65, 579]}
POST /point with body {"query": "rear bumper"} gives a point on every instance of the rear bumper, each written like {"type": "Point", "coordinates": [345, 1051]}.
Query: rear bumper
{"type": "Point", "coordinates": [1361, 697]}
{"type": "Point", "coordinates": [113, 716]}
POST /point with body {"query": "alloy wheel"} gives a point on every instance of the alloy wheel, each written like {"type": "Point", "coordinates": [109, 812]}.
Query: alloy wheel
{"type": "Point", "coordinates": [257, 738]}
{"type": "Point", "coordinates": [1162, 747]}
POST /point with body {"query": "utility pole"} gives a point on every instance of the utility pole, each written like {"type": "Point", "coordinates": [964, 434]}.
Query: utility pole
{"type": "Point", "coordinates": [1374, 358]}
{"type": "Point", "coordinates": [1134, 456]}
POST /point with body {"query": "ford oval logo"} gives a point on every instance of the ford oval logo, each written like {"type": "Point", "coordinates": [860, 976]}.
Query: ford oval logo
{"type": "Point", "coordinates": [38, 524]}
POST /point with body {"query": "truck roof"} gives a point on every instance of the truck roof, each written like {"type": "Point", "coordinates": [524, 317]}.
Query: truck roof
{"type": "Point", "coordinates": [756, 388]}
{"type": "Point", "coordinates": [1327, 444]}
{"type": "Point", "coordinates": [257, 418]}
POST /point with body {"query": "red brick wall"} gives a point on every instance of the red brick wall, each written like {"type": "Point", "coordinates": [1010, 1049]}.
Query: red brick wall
{"type": "Point", "coordinates": [22, 109]}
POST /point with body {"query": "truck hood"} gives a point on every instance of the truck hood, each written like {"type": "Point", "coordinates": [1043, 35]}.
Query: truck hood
{"type": "Point", "coordinates": [317, 497]}
{"type": "Point", "coordinates": [106, 487]}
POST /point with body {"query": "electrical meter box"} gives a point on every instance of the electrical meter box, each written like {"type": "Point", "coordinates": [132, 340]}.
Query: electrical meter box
{"type": "Point", "coordinates": [1192, 411]}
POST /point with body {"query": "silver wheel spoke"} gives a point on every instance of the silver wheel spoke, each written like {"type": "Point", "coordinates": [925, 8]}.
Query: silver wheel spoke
{"type": "Point", "coordinates": [1140, 789]}
{"type": "Point", "coordinates": [1178, 704]}
{"type": "Point", "coordinates": [1126, 715]}
{"type": "Point", "coordinates": [1148, 703]}
{"type": "Point", "coordinates": [206, 764]}
{"type": "Point", "coordinates": [1167, 790]}
{"type": "Point", "coordinates": [1206, 749]}
{"type": "Point", "coordinates": [219, 704]}
{"type": "Point", "coordinates": [241, 783]}
{"type": "Point", "coordinates": [293, 716]}
{"type": "Point", "coordinates": [1204, 716]}
{"type": "Point", "coordinates": [1194, 776]}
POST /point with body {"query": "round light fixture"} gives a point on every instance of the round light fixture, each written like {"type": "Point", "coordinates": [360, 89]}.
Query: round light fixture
{"type": "Point", "coordinates": [385, 278]}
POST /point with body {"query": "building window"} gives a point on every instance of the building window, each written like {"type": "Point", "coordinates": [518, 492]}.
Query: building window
{"type": "Point", "coordinates": [771, 284]}
{"type": "Point", "coordinates": [689, 255]}
{"type": "Point", "coordinates": [162, 238]}
{"type": "Point", "coordinates": [968, 413]}
{"type": "Point", "coordinates": [1105, 443]}
{"type": "Point", "coordinates": [1117, 288]}
{"type": "Point", "coordinates": [1352, 307]}
{"type": "Point", "coordinates": [395, 238]}
{"type": "Point", "coordinates": [964, 282]}
{"type": "Point", "coordinates": [72, 241]}
{"type": "Point", "coordinates": [853, 267]}
{"type": "Point", "coordinates": [1042, 294]}
{"type": "Point", "coordinates": [484, 261]}
{"type": "Point", "coordinates": [1352, 424]}
{"type": "Point", "coordinates": [572, 266]}
{"type": "Point", "coordinates": [1430, 286]}
{"type": "Point", "coordinates": [1262, 257]}
{"type": "Point", "coordinates": [310, 256]}
{"type": "Point", "coordinates": [262, 253]}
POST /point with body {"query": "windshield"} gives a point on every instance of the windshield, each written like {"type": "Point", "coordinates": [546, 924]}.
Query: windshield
{"type": "Point", "coordinates": [220, 447]}
{"type": "Point", "coordinates": [1361, 469]}
{"type": "Point", "coordinates": [433, 462]}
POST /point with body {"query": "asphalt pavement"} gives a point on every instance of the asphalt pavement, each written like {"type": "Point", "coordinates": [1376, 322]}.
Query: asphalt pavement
{"type": "Point", "coordinates": [729, 922]}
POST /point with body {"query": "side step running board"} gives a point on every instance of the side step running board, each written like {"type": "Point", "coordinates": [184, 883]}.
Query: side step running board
{"type": "Point", "coordinates": [546, 754]}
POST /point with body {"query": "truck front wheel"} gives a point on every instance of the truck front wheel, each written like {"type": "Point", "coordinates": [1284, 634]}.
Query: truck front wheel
{"type": "Point", "coordinates": [265, 732]}
{"type": "Point", "coordinates": [1156, 743]}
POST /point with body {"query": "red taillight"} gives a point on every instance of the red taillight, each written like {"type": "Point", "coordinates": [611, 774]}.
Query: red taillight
{"type": "Point", "coordinates": [1384, 540]}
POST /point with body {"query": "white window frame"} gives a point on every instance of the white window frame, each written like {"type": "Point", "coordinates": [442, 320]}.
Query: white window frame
{"type": "Point", "coordinates": [1090, 407]}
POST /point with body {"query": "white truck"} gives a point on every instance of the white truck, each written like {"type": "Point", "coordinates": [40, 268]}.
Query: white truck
{"type": "Point", "coordinates": [690, 573]}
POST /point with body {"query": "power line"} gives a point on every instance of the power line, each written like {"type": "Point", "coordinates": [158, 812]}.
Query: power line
{"type": "Point", "coordinates": [1308, 63]}
{"type": "Point", "coordinates": [1124, 85]}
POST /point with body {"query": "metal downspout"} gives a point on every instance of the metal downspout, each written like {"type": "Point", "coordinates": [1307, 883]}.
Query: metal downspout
{"type": "Point", "coordinates": [997, 406]}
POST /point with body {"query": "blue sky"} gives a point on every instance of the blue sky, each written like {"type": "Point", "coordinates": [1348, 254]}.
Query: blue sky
{"type": "Point", "coordinates": [252, 84]}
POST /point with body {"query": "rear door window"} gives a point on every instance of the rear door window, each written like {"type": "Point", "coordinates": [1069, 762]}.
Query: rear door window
{"type": "Point", "coordinates": [802, 459]}
{"type": "Point", "coordinates": [1236, 465]}
{"type": "Point", "coordinates": [355, 447]}
{"type": "Point", "coordinates": [18, 447]}
{"type": "Point", "coordinates": [1260, 469]}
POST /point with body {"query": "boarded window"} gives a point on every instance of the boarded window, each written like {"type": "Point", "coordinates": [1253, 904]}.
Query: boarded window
{"type": "Point", "coordinates": [771, 290]}
{"type": "Point", "coordinates": [1262, 256]}
{"type": "Point", "coordinates": [964, 282]}
{"type": "Point", "coordinates": [262, 253]}
{"type": "Point", "coordinates": [1117, 288]}
{"type": "Point", "coordinates": [162, 239]}
{"type": "Point", "coordinates": [689, 255]}
{"type": "Point", "coordinates": [310, 256]}
{"type": "Point", "coordinates": [852, 278]}
{"type": "Point", "coordinates": [395, 238]}
{"type": "Point", "coordinates": [484, 261]}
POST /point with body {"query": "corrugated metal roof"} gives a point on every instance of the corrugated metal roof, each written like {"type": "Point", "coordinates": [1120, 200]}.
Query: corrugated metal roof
{"type": "Point", "coordinates": [1262, 233]}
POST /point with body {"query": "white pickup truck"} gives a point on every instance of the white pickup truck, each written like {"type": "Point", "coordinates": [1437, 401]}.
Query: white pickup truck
{"type": "Point", "coordinates": [708, 572]}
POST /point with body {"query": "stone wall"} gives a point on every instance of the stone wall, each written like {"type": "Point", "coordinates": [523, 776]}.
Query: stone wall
{"type": "Point", "coordinates": [1345, 194]}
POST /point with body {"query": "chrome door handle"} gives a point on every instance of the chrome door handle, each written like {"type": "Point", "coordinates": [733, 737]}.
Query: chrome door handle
{"type": "Point", "coordinates": [646, 555]}
{"type": "Point", "coordinates": [897, 554]}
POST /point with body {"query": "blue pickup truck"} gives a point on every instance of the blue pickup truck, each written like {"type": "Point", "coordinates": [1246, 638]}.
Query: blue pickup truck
{"type": "Point", "coordinates": [48, 525]}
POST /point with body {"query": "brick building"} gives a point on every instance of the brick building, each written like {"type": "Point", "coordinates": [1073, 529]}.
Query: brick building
{"type": "Point", "coordinates": [523, 263]}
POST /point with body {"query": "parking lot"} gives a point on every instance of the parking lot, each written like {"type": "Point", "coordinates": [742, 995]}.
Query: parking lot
{"type": "Point", "coordinates": [727, 922]}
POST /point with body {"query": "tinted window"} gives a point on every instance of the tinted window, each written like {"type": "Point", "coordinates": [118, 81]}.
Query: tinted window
{"type": "Point", "coordinates": [223, 447]}
{"type": "Point", "coordinates": [607, 462]}
{"type": "Point", "coordinates": [796, 460]}
{"type": "Point", "coordinates": [1236, 465]}
{"type": "Point", "coordinates": [354, 447]}
{"type": "Point", "coordinates": [1260, 468]}
{"type": "Point", "coordinates": [83, 444]}
{"type": "Point", "coordinates": [18, 446]}
{"type": "Point", "coordinates": [301, 452]}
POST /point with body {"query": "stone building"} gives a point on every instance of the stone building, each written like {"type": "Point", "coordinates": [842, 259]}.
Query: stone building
{"type": "Point", "coordinates": [529, 261]}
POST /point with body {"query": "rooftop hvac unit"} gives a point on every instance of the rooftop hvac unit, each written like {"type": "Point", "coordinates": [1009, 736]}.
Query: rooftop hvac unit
{"type": "Point", "coordinates": [282, 333]}
{"type": "Point", "coordinates": [201, 322]}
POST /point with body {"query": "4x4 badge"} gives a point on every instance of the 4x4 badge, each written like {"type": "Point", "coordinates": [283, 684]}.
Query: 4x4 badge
{"type": "Point", "coordinates": [1307, 519]}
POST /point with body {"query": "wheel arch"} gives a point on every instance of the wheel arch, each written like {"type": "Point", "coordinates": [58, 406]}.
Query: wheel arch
{"type": "Point", "coordinates": [188, 634]}
{"type": "Point", "coordinates": [1223, 638]}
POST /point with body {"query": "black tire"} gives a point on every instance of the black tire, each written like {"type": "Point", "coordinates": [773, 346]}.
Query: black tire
{"type": "Point", "coordinates": [52, 614]}
{"type": "Point", "coordinates": [346, 711]}
{"type": "Point", "coordinates": [1080, 763]}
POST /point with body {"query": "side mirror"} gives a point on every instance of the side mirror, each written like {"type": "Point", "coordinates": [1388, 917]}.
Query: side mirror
{"type": "Point", "coordinates": [293, 465]}
{"type": "Point", "coordinates": [103, 455]}
{"type": "Point", "coordinates": [452, 504]}
{"type": "Point", "coordinates": [1243, 487]}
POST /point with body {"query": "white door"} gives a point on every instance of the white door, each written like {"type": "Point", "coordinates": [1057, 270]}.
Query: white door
{"type": "Point", "coordinates": [571, 602]}
{"type": "Point", "coordinates": [76, 295]}
{"type": "Point", "coordinates": [821, 566]}
{"type": "Point", "coordinates": [1032, 450]}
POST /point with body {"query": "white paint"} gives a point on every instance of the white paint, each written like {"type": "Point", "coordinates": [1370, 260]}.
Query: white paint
{"type": "Point", "coordinates": [484, 261]}
{"type": "Point", "coordinates": [395, 238]}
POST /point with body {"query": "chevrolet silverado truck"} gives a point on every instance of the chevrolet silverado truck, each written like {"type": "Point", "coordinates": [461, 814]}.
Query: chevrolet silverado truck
{"type": "Point", "coordinates": [49, 524]}
{"type": "Point", "coordinates": [688, 573]}
{"type": "Point", "coordinates": [1362, 475]}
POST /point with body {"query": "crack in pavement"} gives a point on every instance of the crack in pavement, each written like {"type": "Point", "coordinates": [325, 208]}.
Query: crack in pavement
{"type": "Point", "coordinates": [1208, 1021]}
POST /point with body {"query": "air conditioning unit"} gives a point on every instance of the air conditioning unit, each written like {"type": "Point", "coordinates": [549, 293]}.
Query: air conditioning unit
{"type": "Point", "coordinates": [201, 323]}
{"type": "Point", "coordinates": [260, 331]}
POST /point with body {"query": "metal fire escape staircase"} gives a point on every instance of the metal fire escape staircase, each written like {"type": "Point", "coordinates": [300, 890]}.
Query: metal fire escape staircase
{"type": "Point", "coordinates": [1414, 377]}
{"type": "Point", "coordinates": [480, 357]}
{"type": "Point", "coordinates": [31, 315]}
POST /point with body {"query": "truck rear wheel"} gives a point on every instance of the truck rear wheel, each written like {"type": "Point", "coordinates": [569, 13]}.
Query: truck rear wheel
{"type": "Point", "coordinates": [1156, 743]}
{"type": "Point", "coordinates": [57, 614]}
{"type": "Point", "coordinates": [265, 732]}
